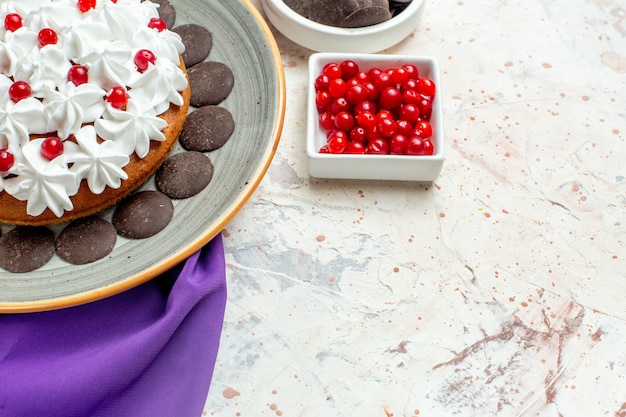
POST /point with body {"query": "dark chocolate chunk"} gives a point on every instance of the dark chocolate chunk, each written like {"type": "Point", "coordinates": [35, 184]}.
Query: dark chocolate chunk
{"type": "Point", "coordinates": [207, 129]}
{"type": "Point", "coordinates": [343, 13]}
{"type": "Point", "coordinates": [198, 43]}
{"type": "Point", "coordinates": [24, 249]}
{"type": "Point", "coordinates": [86, 240]}
{"type": "Point", "coordinates": [166, 12]}
{"type": "Point", "coordinates": [184, 174]}
{"type": "Point", "coordinates": [211, 82]}
{"type": "Point", "coordinates": [143, 214]}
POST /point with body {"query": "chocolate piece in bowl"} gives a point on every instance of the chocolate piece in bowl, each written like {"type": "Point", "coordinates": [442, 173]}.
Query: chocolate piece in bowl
{"type": "Point", "coordinates": [25, 248]}
{"type": "Point", "coordinates": [343, 13]}
{"type": "Point", "coordinates": [198, 43]}
{"type": "Point", "coordinates": [142, 215]}
{"type": "Point", "coordinates": [184, 175]}
{"type": "Point", "coordinates": [207, 129]}
{"type": "Point", "coordinates": [211, 82]}
{"type": "Point", "coordinates": [86, 240]}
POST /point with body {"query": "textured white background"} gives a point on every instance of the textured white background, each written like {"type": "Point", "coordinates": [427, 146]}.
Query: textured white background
{"type": "Point", "coordinates": [499, 290]}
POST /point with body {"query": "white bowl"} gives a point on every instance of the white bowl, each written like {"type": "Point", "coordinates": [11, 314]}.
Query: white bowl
{"type": "Point", "coordinates": [323, 38]}
{"type": "Point", "coordinates": [369, 166]}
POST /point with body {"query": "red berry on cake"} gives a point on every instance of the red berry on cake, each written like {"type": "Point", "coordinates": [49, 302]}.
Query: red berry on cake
{"type": "Point", "coordinates": [117, 97]}
{"type": "Point", "coordinates": [158, 24]}
{"type": "Point", "coordinates": [47, 36]}
{"type": "Point", "coordinates": [19, 90]}
{"type": "Point", "coordinates": [86, 5]}
{"type": "Point", "coordinates": [143, 58]}
{"type": "Point", "coordinates": [51, 147]}
{"type": "Point", "coordinates": [6, 160]}
{"type": "Point", "coordinates": [12, 22]}
{"type": "Point", "coordinates": [78, 75]}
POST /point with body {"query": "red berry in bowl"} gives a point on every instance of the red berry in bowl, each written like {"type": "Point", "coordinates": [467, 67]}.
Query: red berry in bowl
{"type": "Point", "coordinates": [85, 5]}
{"type": "Point", "coordinates": [426, 87]}
{"type": "Point", "coordinates": [423, 129]}
{"type": "Point", "coordinates": [349, 69]}
{"type": "Point", "coordinates": [377, 146]}
{"type": "Point", "coordinates": [398, 144]}
{"type": "Point", "coordinates": [344, 121]}
{"type": "Point", "coordinates": [390, 98]}
{"type": "Point", "coordinates": [355, 148]}
{"type": "Point", "coordinates": [337, 144]}
{"type": "Point", "coordinates": [415, 146]}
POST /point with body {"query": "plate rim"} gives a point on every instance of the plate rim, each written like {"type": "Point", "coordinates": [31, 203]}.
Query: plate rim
{"type": "Point", "coordinates": [204, 237]}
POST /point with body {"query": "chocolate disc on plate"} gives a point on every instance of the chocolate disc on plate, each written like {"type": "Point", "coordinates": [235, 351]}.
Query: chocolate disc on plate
{"type": "Point", "coordinates": [211, 82]}
{"type": "Point", "coordinates": [24, 249]}
{"type": "Point", "coordinates": [143, 214]}
{"type": "Point", "coordinates": [198, 43]}
{"type": "Point", "coordinates": [86, 240]}
{"type": "Point", "coordinates": [184, 175]}
{"type": "Point", "coordinates": [207, 129]}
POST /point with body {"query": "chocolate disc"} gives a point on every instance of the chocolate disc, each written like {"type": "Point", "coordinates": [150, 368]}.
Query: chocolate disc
{"type": "Point", "coordinates": [343, 13]}
{"type": "Point", "coordinates": [207, 129]}
{"type": "Point", "coordinates": [86, 240]}
{"type": "Point", "coordinates": [211, 82]}
{"type": "Point", "coordinates": [184, 174]}
{"type": "Point", "coordinates": [143, 214]}
{"type": "Point", "coordinates": [24, 249]}
{"type": "Point", "coordinates": [198, 43]}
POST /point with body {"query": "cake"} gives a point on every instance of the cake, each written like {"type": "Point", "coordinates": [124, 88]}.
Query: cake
{"type": "Point", "coordinates": [93, 96]}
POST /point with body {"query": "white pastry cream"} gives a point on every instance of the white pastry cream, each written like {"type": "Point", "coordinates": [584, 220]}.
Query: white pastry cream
{"type": "Point", "coordinates": [104, 39]}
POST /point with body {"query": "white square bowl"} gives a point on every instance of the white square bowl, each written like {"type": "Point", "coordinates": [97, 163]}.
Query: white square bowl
{"type": "Point", "coordinates": [420, 168]}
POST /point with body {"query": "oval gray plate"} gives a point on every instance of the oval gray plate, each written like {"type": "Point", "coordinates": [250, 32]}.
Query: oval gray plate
{"type": "Point", "coordinates": [243, 41]}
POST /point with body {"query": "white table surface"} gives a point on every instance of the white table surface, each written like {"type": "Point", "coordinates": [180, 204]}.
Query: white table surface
{"type": "Point", "coordinates": [499, 290]}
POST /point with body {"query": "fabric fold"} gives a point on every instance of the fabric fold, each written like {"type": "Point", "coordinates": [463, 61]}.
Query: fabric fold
{"type": "Point", "coordinates": [149, 351]}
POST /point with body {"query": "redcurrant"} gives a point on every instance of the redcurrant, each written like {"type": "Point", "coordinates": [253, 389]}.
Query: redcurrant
{"type": "Point", "coordinates": [12, 22]}
{"type": "Point", "coordinates": [355, 148]}
{"type": "Point", "coordinates": [426, 87]}
{"type": "Point", "coordinates": [6, 160]}
{"type": "Point", "coordinates": [398, 144]}
{"type": "Point", "coordinates": [47, 36]}
{"type": "Point", "coordinates": [378, 147]}
{"type": "Point", "coordinates": [78, 75]}
{"type": "Point", "coordinates": [337, 88]}
{"type": "Point", "coordinates": [322, 82]}
{"type": "Point", "coordinates": [51, 147]}
{"type": "Point", "coordinates": [19, 90]}
{"type": "Point", "coordinates": [415, 146]}
{"type": "Point", "coordinates": [349, 69]}
{"type": "Point", "coordinates": [157, 23]}
{"type": "Point", "coordinates": [332, 71]}
{"type": "Point", "coordinates": [390, 98]}
{"type": "Point", "coordinates": [117, 97]}
{"type": "Point", "coordinates": [357, 94]}
{"type": "Point", "coordinates": [143, 59]}
{"type": "Point", "coordinates": [423, 129]}
{"type": "Point", "coordinates": [337, 144]}
{"type": "Point", "coordinates": [344, 121]}
{"type": "Point", "coordinates": [86, 5]}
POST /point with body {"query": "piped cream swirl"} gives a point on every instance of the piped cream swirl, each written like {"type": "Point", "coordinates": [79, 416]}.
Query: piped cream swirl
{"type": "Point", "coordinates": [104, 40]}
